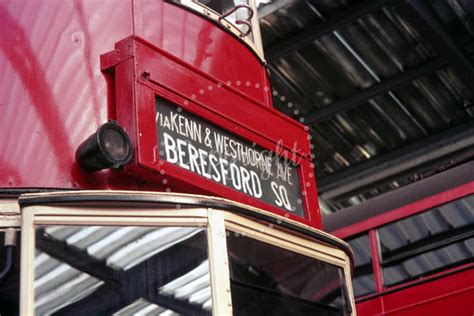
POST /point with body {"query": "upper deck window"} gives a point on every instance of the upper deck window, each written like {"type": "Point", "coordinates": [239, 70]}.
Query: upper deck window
{"type": "Point", "coordinates": [167, 254]}
{"type": "Point", "coordinates": [429, 242]}
{"type": "Point", "coordinates": [237, 16]}
{"type": "Point", "coordinates": [268, 280]}
{"type": "Point", "coordinates": [123, 270]}
{"type": "Point", "coordinates": [364, 281]}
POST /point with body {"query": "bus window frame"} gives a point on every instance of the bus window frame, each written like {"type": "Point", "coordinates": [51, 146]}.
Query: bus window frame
{"type": "Point", "coordinates": [269, 234]}
{"type": "Point", "coordinates": [373, 262]}
{"type": "Point", "coordinates": [371, 226]}
{"type": "Point", "coordinates": [136, 214]}
{"type": "Point", "coordinates": [405, 211]}
{"type": "Point", "coordinates": [279, 238]}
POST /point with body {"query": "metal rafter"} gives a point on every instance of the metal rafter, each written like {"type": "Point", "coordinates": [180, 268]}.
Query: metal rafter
{"type": "Point", "coordinates": [364, 95]}
{"type": "Point", "coordinates": [440, 182]}
{"type": "Point", "coordinates": [427, 24]}
{"type": "Point", "coordinates": [270, 8]}
{"type": "Point", "coordinates": [297, 96]}
{"type": "Point", "coordinates": [312, 33]}
{"type": "Point", "coordinates": [409, 158]}
{"type": "Point", "coordinates": [429, 243]}
{"type": "Point", "coordinates": [121, 288]}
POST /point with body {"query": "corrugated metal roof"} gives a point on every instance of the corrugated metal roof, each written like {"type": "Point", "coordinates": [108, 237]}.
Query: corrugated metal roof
{"type": "Point", "coordinates": [58, 284]}
{"type": "Point", "coordinates": [406, 244]}
{"type": "Point", "coordinates": [363, 281]}
{"type": "Point", "coordinates": [142, 307]}
{"type": "Point", "coordinates": [368, 82]}
{"type": "Point", "coordinates": [417, 246]}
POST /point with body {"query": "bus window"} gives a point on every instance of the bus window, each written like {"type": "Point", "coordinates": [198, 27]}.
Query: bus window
{"type": "Point", "coordinates": [98, 270]}
{"type": "Point", "coordinates": [9, 277]}
{"type": "Point", "coordinates": [143, 256]}
{"type": "Point", "coordinates": [364, 281]}
{"type": "Point", "coordinates": [267, 280]}
{"type": "Point", "coordinates": [429, 242]}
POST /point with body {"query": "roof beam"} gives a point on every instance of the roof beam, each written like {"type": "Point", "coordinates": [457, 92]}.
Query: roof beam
{"type": "Point", "coordinates": [429, 243]}
{"type": "Point", "coordinates": [364, 95]}
{"type": "Point", "coordinates": [410, 158]}
{"type": "Point", "coordinates": [297, 97]}
{"type": "Point", "coordinates": [335, 22]}
{"type": "Point", "coordinates": [120, 285]}
{"type": "Point", "coordinates": [269, 8]}
{"type": "Point", "coordinates": [423, 20]}
{"type": "Point", "coordinates": [76, 258]}
{"type": "Point", "coordinates": [418, 190]}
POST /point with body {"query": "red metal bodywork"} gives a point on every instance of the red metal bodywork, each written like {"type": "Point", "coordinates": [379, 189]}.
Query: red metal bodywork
{"type": "Point", "coordinates": [57, 90]}
{"type": "Point", "coordinates": [449, 292]}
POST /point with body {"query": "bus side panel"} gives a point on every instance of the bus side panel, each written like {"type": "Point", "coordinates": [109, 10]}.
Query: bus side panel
{"type": "Point", "coordinates": [53, 94]}
{"type": "Point", "coordinates": [369, 307]}
{"type": "Point", "coordinates": [451, 295]}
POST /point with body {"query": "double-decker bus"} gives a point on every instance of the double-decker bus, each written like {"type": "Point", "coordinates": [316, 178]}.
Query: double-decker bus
{"type": "Point", "coordinates": [144, 171]}
{"type": "Point", "coordinates": [414, 247]}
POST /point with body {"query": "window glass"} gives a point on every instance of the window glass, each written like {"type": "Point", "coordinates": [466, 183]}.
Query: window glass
{"type": "Point", "coordinates": [10, 283]}
{"type": "Point", "coordinates": [104, 270]}
{"type": "Point", "coordinates": [363, 282]}
{"type": "Point", "coordinates": [268, 280]}
{"type": "Point", "coordinates": [426, 243]}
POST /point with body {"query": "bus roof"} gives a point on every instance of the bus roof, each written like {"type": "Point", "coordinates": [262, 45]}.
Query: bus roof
{"type": "Point", "coordinates": [408, 194]}
{"type": "Point", "coordinates": [180, 201]}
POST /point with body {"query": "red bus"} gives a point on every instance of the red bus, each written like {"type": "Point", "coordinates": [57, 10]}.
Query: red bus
{"type": "Point", "coordinates": [414, 247]}
{"type": "Point", "coordinates": [144, 171]}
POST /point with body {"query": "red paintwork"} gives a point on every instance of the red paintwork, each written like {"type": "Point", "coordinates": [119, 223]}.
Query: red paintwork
{"type": "Point", "coordinates": [405, 211]}
{"type": "Point", "coordinates": [448, 292]}
{"type": "Point", "coordinates": [133, 56]}
{"type": "Point", "coordinates": [56, 90]}
{"type": "Point", "coordinates": [450, 295]}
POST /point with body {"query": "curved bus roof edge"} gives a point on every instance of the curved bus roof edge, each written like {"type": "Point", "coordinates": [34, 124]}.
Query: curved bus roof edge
{"type": "Point", "coordinates": [183, 200]}
{"type": "Point", "coordinates": [421, 189]}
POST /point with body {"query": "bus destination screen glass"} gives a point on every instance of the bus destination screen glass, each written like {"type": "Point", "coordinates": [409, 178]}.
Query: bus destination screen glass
{"type": "Point", "coordinates": [213, 153]}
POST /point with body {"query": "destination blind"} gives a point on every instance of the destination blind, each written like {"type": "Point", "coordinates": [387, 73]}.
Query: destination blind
{"type": "Point", "coordinates": [190, 142]}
